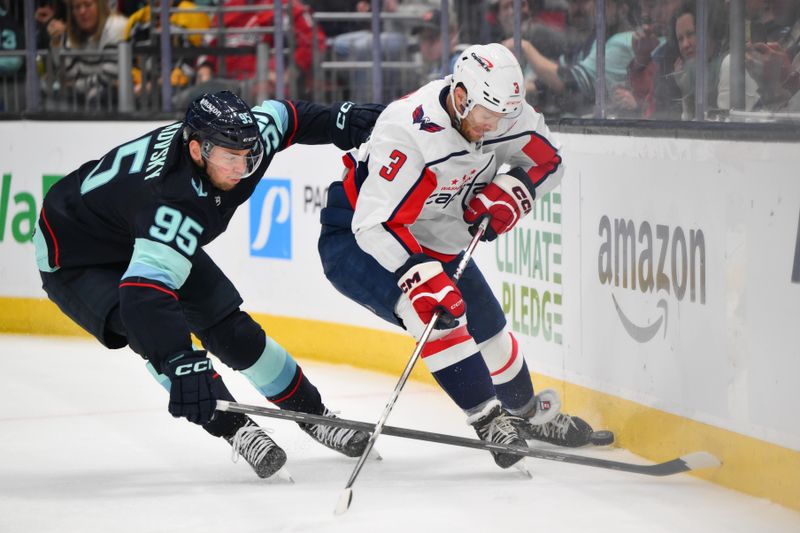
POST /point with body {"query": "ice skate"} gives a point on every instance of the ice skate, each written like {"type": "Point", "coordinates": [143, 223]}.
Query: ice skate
{"type": "Point", "coordinates": [563, 430]}
{"type": "Point", "coordinates": [495, 425]}
{"type": "Point", "coordinates": [258, 449]}
{"type": "Point", "coordinates": [350, 442]}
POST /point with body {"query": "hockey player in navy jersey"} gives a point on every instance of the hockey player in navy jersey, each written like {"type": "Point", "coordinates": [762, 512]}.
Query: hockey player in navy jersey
{"type": "Point", "coordinates": [393, 229]}
{"type": "Point", "coordinates": [119, 244]}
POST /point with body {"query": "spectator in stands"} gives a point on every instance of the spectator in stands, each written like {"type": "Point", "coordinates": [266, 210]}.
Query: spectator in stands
{"type": "Point", "coordinates": [654, 58]}
{"type": "Point", "coordinates": [243, 67]}
{"type": "Point", "coordinates": [11, 38]}
{"type": "Point", "coordinates": [49, 12]}
{"type": "Point", "coordinates": [761, 26]}
{"type": "Point", "coordinates": [683, 34]}
{"type": "Point", "coordinates": [357, 46]}
{"type": "Point", "coordinates": [775, 65]}
{"type": "Point", "coordinates": [550, 41]}
{"type": "Point", "coordinates": [138, 31]}
{"type": "Point", "coordinates": [332, 28]}
{"type": "Point", "coordinates": [12, 75]}
{"type": "Point", "coordinates": [91, 27]}
{"type": "Point", "coordinates": [573, 78]}
{"type": "Point", "coordinates": [429, 33]}
{"type": "Point", "coordinates": [129, 7]}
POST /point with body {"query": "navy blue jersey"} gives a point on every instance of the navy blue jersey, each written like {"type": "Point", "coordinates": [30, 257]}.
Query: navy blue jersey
{"type": "Point", "coordinates": [146, 205]}
{"type": "Point", "coordinates": [146, 201]}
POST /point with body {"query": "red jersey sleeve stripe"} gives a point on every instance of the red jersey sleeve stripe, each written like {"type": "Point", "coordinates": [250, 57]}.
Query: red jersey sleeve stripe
{"type": "Point", "coordinates": [350, 188]}
{"type": "Point", "coordinates": [53, 237]}
{"type": "Point", "coordinates": [546, 157]}
{"type": "Point", "coordinates": [409, 209]}
{"type": "Point", "coordinates": [294, 130]}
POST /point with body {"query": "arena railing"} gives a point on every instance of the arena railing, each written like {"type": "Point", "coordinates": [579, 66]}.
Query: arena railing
{"type": "Point", "coordinates": [603, 117]}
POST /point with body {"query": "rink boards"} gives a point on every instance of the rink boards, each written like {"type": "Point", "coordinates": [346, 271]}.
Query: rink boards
{"type": "Point", "coordinates": [654, 288]}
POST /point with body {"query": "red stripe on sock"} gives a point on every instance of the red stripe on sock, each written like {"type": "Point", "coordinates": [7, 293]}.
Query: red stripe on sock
{"type": "Point", "coordinates": [457, 336]}
{"type": "Point", "coordinates": [296, 385]}
{"type": "Point", "coordinates": [514, 352]}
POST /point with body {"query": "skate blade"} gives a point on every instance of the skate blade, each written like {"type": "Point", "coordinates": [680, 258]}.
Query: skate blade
{"type": "Point", "coordinates": [522, 466]}
{"type": "Point", "coordinates": [284, 475]}
{"type": "Point", "coordinates": [375, 455]}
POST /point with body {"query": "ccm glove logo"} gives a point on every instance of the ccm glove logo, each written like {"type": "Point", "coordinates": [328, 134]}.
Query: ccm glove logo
{"type": "Point", "coordinates": [410, 283]}
{"type": "Point", "coordinates": [341, 116]}
{"type": "Point", "coordinates": [522, 194]}
{"type": "Point", "coordinates": [193, 368]}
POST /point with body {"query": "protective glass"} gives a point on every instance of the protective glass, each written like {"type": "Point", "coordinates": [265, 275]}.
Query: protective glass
{"type": "Point", "coordinates": [244, 164]}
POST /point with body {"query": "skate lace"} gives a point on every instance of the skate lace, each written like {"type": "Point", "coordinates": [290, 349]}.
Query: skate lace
{"type": "Point", "coordinates": [500, 430]}
{"type": "Point", "coordinates": [252, 443]}
{"type": "Point", "coordinates": [329, 435]}
{"type": "Point", "coordinates": [558, 427]}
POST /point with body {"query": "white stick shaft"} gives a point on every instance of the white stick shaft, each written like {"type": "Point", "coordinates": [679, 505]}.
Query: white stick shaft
{"type": "Point", "coordinates": [344, 501]}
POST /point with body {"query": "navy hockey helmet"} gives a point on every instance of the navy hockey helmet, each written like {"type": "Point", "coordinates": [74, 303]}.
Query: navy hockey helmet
{"type": "Point", "coordinates": [223, 119]}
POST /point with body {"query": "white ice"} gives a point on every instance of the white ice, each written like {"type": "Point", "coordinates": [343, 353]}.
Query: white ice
{"type": "Point", "coordinates": [86, 445]}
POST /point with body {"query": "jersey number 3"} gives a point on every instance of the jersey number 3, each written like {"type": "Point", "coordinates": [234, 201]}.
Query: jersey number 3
{"type": "Point", "coordinates": [390, 171]}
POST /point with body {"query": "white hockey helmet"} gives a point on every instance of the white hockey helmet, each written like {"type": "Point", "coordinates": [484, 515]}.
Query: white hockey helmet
{"type": "Point", "coordinates": [492, 77]}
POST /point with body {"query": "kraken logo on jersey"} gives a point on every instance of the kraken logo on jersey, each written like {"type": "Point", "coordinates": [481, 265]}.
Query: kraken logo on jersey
{"type": "Point", "coordinates": [197, 185]}
{"type": "Point", "coordinates": [270, 219]}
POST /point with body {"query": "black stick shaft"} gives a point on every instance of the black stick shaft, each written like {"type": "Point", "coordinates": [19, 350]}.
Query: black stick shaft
{"type": "Point", "coordinates": [667, 468]}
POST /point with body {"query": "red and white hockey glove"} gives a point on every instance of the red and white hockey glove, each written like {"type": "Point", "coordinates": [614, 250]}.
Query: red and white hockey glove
{"type": "Point", "coordinates": [429, 288]}
{"type": "Point", "coordinates": [507, 199]}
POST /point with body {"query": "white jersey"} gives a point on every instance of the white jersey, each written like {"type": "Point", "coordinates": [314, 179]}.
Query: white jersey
{"type": "Point", "coordinates": [413, 180]}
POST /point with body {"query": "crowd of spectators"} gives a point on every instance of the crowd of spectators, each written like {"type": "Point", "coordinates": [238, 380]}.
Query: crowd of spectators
{"type": "Point", "coordinates": [651, 59]}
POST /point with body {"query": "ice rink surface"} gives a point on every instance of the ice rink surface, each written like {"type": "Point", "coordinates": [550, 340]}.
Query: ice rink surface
{"type": "Point", "coordinates": [86, 445]}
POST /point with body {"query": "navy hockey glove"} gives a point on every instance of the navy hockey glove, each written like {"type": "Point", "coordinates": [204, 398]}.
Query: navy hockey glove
{"type": "Point", "coordinates": [429, 288]}
{"type": "Point", "coordinates": [507, 199]}
{"type": "Point", "coordinates": [190, 394]}
{"type": "Point", "coordinates": [351, 124]}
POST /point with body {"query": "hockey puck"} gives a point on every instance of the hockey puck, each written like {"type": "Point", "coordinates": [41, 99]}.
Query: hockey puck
{"type": "Point", "coordinates": [601, 438]}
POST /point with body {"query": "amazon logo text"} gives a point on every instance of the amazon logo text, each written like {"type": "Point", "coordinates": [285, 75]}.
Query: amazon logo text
{"type": "Point", "coordinates": [647, 257]}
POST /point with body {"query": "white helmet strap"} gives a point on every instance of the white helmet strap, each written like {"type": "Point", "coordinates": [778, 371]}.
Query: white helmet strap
{"type": "Point", "coordinates": [467, 108]}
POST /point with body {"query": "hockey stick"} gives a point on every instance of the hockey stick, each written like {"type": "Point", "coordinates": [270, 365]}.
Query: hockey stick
{"type": "Point", "coordinates": [347, 494]}
{"type": "Point", "coordinates": [684, 463]}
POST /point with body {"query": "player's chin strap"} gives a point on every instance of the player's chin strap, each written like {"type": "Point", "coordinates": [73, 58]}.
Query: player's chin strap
{"type": "Point", "coordinates": [347, 495]}
{"type": "Point", "coordinates": [459, 115]}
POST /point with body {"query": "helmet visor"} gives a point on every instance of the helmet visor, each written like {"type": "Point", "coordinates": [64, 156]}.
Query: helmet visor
{"type": "Point", "coordinates": [237, 164]}
{"type": "Point", "coordinates": [485, 117]}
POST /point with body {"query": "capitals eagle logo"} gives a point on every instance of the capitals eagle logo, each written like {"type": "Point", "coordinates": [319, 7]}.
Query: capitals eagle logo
{"type": "Point", "coordinates": [424, 122]}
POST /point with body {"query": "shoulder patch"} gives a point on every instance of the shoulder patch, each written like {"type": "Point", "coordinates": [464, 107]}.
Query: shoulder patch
{"type": "Point", "coordinates": [424, 122]}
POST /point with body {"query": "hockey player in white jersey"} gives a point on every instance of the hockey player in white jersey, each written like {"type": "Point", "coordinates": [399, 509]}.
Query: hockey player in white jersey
{"type": "Point", "coordinates": [393, 228]}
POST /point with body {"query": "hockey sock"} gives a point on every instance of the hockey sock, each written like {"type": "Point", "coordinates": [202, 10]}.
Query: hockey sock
{"type": "Point", "coordinates": [458, 367]}
{"type": "Point", "coordinates": [301, 395]}
{"type": "Point", "coordinates": [509, 372]}
{"type": "Point", "coordinates": [277, 376]}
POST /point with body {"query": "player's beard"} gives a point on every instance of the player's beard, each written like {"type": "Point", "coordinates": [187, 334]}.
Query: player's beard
{"type": "Point", "coordinates": [222, 184]}
{"type": "Point", "coordinates": [467, 133]}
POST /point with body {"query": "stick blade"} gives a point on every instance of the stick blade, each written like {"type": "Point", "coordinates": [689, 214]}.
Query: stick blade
{"type": "Point", "coordinates": [345, 498]}
{"type": "Point", "coordinates": [698, 460]}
